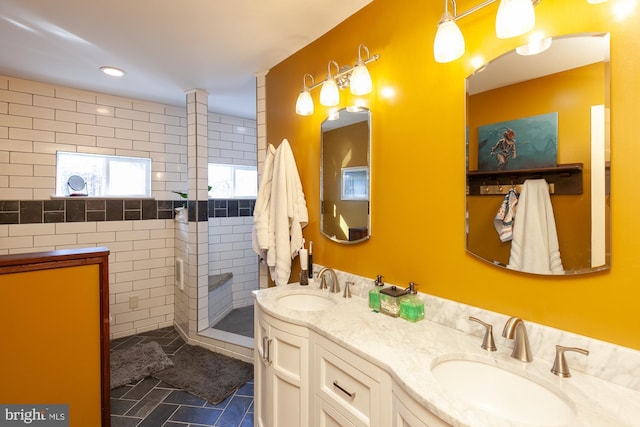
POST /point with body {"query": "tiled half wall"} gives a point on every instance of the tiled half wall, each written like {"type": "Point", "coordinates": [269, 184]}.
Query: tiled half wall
{"type": "Point", "coordinates": [88, 210]}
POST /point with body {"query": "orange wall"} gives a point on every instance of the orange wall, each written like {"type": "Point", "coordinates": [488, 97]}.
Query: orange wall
{"type": "Point", "coordinates": [571, 94]}
{"type": "Point", "coordinates": [418, 179]}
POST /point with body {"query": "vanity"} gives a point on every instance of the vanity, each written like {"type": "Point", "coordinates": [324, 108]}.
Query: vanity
{"type": "Point", "coordinates": [324, 360]}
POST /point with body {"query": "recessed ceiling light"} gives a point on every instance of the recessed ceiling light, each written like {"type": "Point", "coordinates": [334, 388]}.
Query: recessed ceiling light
{"type": "Point", "coordinates": [112, 71]}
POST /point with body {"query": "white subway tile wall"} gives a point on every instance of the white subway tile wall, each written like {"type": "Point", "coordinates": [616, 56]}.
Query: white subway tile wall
{"type": "Point", "coordinates": [36, 119]}
{"type": "Point", "coordinates": [233, 141]}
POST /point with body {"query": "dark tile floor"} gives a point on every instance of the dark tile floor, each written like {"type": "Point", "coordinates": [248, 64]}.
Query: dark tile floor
{"type": "Point", "coordinates": [153, 403]}
{"type": "Point", "coordinates": [238, 321]}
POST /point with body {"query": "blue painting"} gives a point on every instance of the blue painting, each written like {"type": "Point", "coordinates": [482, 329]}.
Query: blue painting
{"type": "Point", "coordinates": [527, 143]}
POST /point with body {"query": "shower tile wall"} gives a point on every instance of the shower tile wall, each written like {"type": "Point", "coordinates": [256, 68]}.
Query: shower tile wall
{"type": "Point", "coordinates": [36, 120]}
{"type": "Point", "coordinates": [233, 141]}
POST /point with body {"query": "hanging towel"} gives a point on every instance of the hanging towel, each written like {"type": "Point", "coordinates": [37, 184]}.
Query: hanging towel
{"type": "Point", "coordinates": [260, 234]}
{"type": "Point", "coordinates": [504, 218]}
{"type": "Point", "coordinates": [535, 248]}
{"type": "Point", "coordinates": [287, 214]}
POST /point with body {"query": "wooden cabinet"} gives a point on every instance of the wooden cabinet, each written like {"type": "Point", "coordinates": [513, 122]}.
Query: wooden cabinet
{"type": "Point", "coordinates": [409, 413]}
{"type": "Point", "coordinates": [281, 372]}
{"type": "Point", "coordinates": [357, 391]}
{"type": "Point", "coordinates": [54, 324]}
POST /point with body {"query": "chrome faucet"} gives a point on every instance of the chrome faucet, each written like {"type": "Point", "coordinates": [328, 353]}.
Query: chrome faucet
{"type": "Point", "coordinates": [515, 329]}
{"type": "Point", "coordinates": [335, 285]}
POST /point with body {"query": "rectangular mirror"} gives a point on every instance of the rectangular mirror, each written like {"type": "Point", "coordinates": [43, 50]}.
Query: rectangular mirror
{"type": "Point", "coordinates": [542, 116]}
{"type": "Point", "coordinates": [345, 176]}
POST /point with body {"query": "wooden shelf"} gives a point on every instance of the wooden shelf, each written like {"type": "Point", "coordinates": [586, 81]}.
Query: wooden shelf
{"type": "Point", "coordinates": [563, 179]}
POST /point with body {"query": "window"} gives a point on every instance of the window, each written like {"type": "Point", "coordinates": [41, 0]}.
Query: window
{"type": "Point", "coordinates": [233, 182]}
{"type": "Point", "coordinates": [104, 176]}
{"type": "Point", "coordinates": [355, 183]}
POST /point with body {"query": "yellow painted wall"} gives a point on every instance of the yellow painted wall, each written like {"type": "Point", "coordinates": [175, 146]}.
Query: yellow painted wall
{"type": "Point", "coordinates": [570, 94]}
{"type": "Point", "coordinates": [418, 163]}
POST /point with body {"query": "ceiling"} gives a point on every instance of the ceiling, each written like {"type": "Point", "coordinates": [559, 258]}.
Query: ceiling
{"type": "Point", "coordinates": [166, 47]}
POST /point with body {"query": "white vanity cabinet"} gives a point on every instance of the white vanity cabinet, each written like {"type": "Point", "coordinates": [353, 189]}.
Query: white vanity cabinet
{"type": "Point", "coordinates": [281, 372]}
{"type": "Point", "coordinates": [407, 412]}
{"type": "Point", "coordinates": [348, 391]}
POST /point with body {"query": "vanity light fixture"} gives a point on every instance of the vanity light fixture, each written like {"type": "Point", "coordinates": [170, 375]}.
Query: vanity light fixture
{"type": "Point", "coordinates": [329, 94]}
{"type": "Point", "coordinates": [304, 104]}
{"type": "Point", "coordinates": [356, 77]}
{"type": "Point", "coordinates": [360, 78]}
{"type": "Point", "coordinates": [514, 17]}
{"type": "Point", "coordinates": [112, 71]}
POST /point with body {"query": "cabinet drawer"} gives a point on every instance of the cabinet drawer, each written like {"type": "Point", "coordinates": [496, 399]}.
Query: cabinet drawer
{"type": "Point", "coordinates": [347, 387]}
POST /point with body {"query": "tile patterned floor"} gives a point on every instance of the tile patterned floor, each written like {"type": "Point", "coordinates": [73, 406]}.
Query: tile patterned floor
{"type": "Point", "coordinates": [153, 403]}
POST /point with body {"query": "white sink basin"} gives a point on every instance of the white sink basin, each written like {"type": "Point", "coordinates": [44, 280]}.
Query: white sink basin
{"type": "Point", "coordinates": [304, 301]}
{"type": "Point", "coordinates": [503, 393]}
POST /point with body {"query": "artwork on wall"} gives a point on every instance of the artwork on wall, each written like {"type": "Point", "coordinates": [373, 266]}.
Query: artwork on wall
{"type": "Point", "coordinates": [526, 143]}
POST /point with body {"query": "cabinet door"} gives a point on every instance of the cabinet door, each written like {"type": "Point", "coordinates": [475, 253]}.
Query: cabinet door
{"type": "Point", "coordinates": [290, 376]}
{"type": "Point", "coordinates": [281, 372]}
{"type": "Point", "coordinates": [261, 363]}
{"type": "Point", "coordinates": [328, 416]}
{"type": "Point", "coordinates": [408, 413]}
{"type": "Point", "coordinates": [50, 321]}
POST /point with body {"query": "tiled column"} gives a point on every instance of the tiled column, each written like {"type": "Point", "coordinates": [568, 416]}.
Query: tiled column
{"type": "Point", "coordinates": [261, 133]}
{"type": "Point", "coordinates": [196, 286]}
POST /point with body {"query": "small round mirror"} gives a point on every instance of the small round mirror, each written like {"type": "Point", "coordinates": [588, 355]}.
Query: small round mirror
{"type": "Point", "coordinates": [76, 185]}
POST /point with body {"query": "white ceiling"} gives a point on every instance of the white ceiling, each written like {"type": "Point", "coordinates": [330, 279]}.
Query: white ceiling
{"type": "Point", "coordinates": [166, 47]}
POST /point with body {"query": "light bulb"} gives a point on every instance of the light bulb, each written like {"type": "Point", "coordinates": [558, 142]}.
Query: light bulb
{"type": "Point", "coordinates": [360, 79]}
{"type": "Point", "coordinates": [304, 104]}
{"type": "Point", "coordinates": [515, 17]}
{"type": "Point", "coordinates": [329, 94]}
{"type": "Point", "coordinates": [449, 42]}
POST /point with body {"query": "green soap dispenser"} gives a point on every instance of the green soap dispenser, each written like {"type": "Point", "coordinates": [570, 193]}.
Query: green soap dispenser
{"type": "Point", "coordinates": [412, 307]}
{"type": "Point", "coordinates": [374, 294]}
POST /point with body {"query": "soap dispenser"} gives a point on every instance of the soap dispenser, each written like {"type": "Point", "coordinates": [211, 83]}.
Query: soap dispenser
{"type": "Point", "coordinates": [411, 306]}
{"type": "Point", "coordinates": [374, 294]}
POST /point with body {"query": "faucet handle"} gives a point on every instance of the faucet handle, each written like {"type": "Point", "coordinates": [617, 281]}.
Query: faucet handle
{"type": "Point", "coordinates": [323, 282]}
{"type": "Point", "coordinates": [560, 366]}
{"type": "Point", "coordinates": [347, 290]}
{"type": "Point", "coordinates": [487, 342]}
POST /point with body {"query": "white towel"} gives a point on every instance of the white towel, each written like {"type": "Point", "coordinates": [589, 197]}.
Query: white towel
{"type": "Point", "coordinates": [260, 235]}
{"type": "Point", "coordinates": [287, 214]}
{"type": "Point", "coordinates": [535, 248]}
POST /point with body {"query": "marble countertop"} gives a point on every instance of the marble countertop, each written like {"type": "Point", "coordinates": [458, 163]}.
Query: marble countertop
{"type": "Point", "coordinates": [407, 351]}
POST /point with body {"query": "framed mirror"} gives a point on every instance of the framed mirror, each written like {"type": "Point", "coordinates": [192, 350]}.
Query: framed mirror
{"type": "Point", "coordinates": [533, 117]}
{"type": "Point", "coordinates": [345, 175]}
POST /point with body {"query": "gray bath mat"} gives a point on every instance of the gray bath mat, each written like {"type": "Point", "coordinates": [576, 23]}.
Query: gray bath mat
{"type": "Point", "coordinates": [211, 376]}
{"type": "Point", "coordinates": [136, 362]}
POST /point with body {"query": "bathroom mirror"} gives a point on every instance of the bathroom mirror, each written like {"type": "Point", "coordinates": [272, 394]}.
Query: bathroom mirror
{"type": "Point", "coordinates": [555, 106]}
{"type": "Point", "coordinates": [345, 175]}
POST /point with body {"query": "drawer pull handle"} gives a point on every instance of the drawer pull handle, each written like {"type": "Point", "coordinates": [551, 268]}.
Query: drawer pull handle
{"type": "Point", "coordinates": [266, 353]}
{"type": "Point", "coordinates": [351, 395]}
